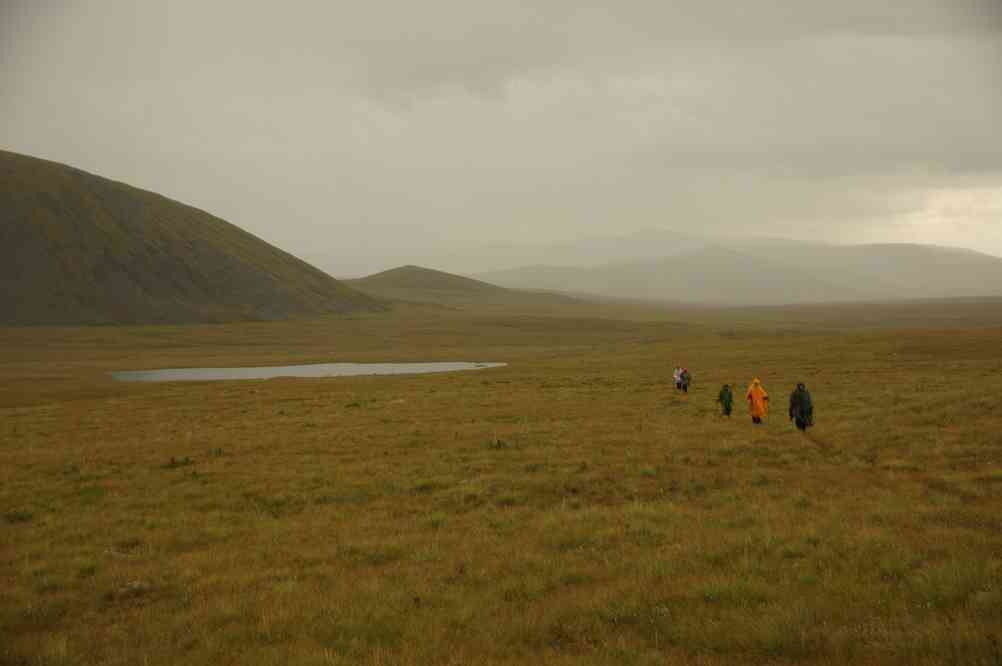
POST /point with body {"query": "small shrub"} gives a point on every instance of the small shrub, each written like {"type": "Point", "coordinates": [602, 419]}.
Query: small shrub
{"type": "Point", "coordinates": [18, 516]}
{"type": "Point", "coordinates": [174, 463]}
{"type": "Point", "coordinates": [91, 494]}
{"type": "Point", "coordinates": [736, 593]}
{"type": "Point", "coordinates": [277, 506]}
{"type": "Point", "coordinates": [437, 519]}
{"type": "Point", "coordinates": [427, 486]}
{"type": "Point", "coordinates": [376, 555]}
{"type": "Point", "coordinates": [128, 591]}
{"type": "Point", "coordinates": [696, 488]}
{"type": "Point", "coordinates": [128, 545]}
{"type": "Point", "coordinates": [508, 500]}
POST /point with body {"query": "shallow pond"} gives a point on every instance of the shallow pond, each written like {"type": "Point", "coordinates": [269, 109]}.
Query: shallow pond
{"type": "Point", "coordinates": [313, 370]}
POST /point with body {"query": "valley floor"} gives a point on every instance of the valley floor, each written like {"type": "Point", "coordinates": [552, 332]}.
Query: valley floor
{"type": "Point", "coordinates": [568, 508]}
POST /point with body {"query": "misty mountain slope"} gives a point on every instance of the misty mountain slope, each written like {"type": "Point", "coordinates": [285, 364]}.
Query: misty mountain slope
{"type": "Point", "coordinates": [647, 245]}
{"type": "Point", "coordinates": [890, 271]}
{"type": "Point", "coordinates": [425, 285]}
{"type": "Point", "coordinates": [777, 271]}
{"type": "Point", "coordinates": [719, 274]}
{"type": "Point", "coordinates": [78, 248]}
{"type": "Point", "coordinates": [711, 274]}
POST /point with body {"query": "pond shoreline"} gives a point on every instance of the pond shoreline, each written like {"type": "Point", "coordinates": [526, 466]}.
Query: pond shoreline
{"type": "Point", "coordinates": [314, 370]}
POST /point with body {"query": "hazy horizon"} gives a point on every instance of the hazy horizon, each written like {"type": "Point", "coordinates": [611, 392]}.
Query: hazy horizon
{"type": "Point", "coordinates": [472, 260]}
{"type": "Point", "coordinates": [362, 137]}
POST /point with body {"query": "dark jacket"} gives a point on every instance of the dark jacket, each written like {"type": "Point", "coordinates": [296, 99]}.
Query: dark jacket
{"type": "Point", "coordinates": [801, 407]}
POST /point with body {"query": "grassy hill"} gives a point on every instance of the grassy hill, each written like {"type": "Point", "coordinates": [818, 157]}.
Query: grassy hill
{"type": "Point", "coordinates": [766, 272]}
{"type": "Point", "coordinates": [78, 248]}
{"type": "Point", "coordinates": [425, 285]}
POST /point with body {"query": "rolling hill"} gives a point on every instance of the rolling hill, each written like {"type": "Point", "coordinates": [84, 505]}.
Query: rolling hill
{"type": "Point", "coordinates": [890, 271]}
{"type": "Point", "coordinates": [76, 248]}
{"type": "Point", "coordinates": [425, 285]}
{"type": "Point", "coordinates": [775, 272]}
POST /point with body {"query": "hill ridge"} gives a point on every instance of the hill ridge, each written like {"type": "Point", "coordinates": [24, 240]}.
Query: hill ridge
{"type": "Point", "coordinates": [431, 278]}
{"type": "Point", "coordinates": [763, 272]}
{"type": "Point", "coordinates": [420, 284]}
{"type": "Point", "coordinates": [77, 248]}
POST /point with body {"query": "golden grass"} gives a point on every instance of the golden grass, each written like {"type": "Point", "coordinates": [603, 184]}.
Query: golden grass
{"type": "Point", "coordinates": [569, 508]}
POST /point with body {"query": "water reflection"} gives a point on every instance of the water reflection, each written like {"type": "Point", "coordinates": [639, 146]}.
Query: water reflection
{"type": "Point", "coordinates": [313, 370]}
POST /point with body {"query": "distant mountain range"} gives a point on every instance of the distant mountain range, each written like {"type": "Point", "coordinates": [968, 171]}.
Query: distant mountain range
{"type": "Point", "coordinates": [76, 248]}
{"type": "Point", "coordinates": [424, 285]}
{"type": "Point", "coordinates": [768, 272]}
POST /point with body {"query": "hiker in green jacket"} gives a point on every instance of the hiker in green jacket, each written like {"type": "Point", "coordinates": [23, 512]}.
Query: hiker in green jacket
{"type": "Point", "coordinates": [726, 399]}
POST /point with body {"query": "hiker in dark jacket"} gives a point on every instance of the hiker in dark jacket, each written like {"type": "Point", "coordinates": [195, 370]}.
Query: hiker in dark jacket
{"type": "Point", "coordinates": [686, 378]}
{"type": "Point", "coordinates": [801, 408]}
{"type": "Point", "coordinates": [726, 399]}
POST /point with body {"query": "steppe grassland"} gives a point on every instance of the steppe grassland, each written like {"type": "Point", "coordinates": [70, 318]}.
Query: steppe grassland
{"type": "Point", "coordinates": [569, 508]}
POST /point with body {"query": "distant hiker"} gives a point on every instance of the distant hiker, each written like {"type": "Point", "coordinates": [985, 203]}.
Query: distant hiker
{"type": "Point", "coordinates": [726, 399]}
{"type": "Point", "coordinates": [758, 401]}
{"type": "Point", "coordinates": [676, 376]}
{"type": "Point", "coordinates": [801, 408]}
{"type": "Point", "coordinates": [684, 378]}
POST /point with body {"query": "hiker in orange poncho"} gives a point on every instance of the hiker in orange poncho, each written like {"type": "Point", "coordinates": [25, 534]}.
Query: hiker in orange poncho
{"type": "Point", "coordinates": [758, 401]}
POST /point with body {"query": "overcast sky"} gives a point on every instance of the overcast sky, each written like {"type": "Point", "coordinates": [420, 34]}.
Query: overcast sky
{"type": "Point", "coordinates": [354, 133]}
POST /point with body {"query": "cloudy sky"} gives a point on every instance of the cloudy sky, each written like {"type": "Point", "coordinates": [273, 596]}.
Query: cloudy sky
{"type": "Point", "coordinates": [357, 134]}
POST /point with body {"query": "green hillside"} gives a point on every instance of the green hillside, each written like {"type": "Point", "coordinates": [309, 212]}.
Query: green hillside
{"type": "Point", "coordinates": [78, 248]}
{"type": "Point", "coordinates": [425, 285]}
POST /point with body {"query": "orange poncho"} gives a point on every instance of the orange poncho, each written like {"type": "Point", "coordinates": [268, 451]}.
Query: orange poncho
{"type": "Point", "coordinates": [758, 399]}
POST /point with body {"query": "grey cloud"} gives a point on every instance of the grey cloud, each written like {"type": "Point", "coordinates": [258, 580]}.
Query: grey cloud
{"type": "Point", "coordinates": [329, 127]}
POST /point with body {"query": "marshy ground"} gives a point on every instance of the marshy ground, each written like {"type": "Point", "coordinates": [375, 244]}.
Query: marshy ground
{"type": "Point", "coordinates": [568, 508]}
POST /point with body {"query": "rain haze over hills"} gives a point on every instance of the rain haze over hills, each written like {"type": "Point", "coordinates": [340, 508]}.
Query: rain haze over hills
{"type": "Point", "coordinates": [476, 138]}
